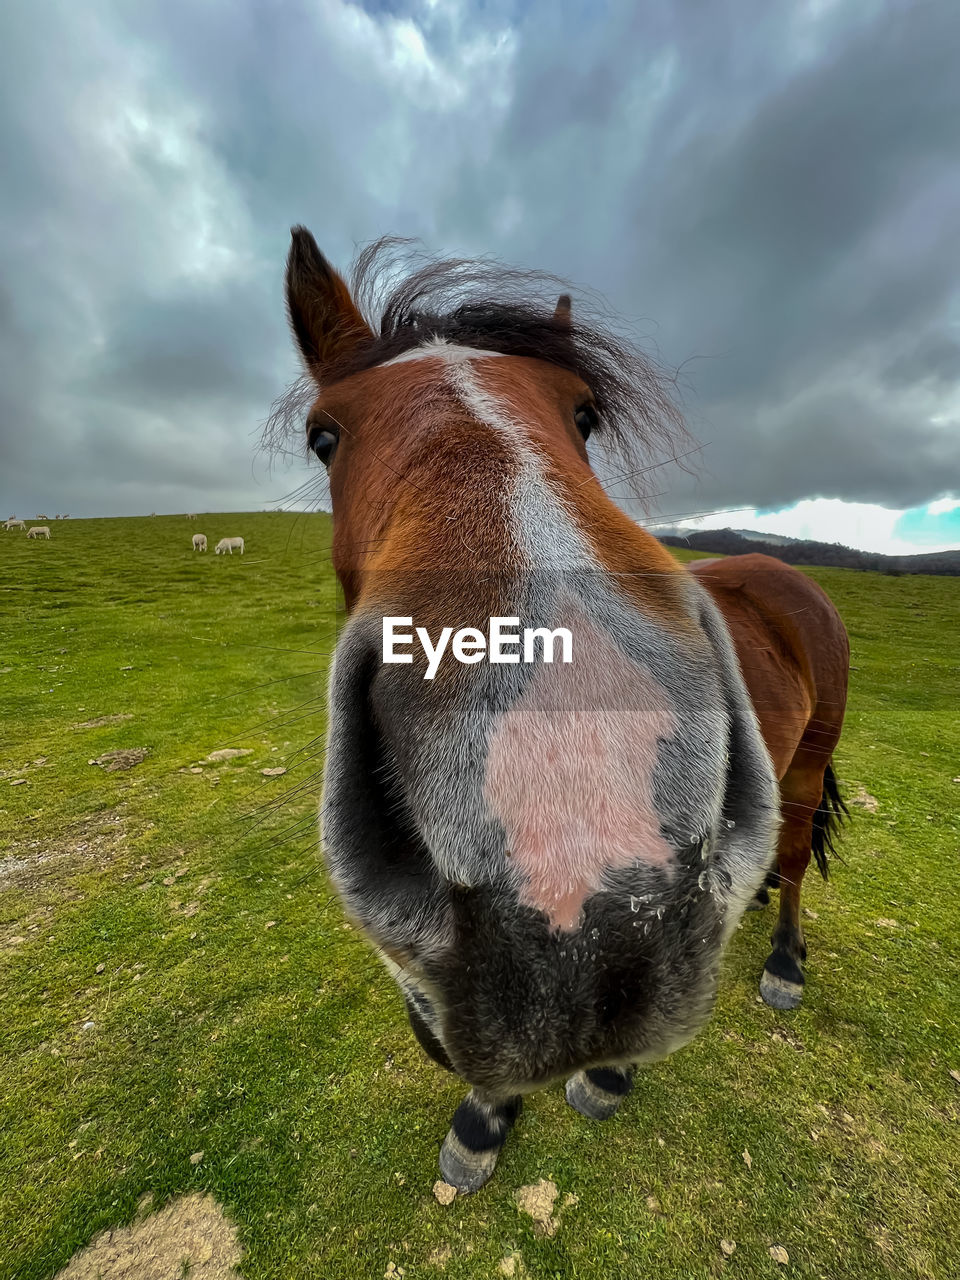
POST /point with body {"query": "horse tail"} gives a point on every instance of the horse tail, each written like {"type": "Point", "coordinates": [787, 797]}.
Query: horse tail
{"type": "Point", "coordinates": [827, 820]}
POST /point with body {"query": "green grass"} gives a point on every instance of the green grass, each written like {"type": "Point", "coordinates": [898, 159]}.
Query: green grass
{"type": "Point", "coordinates": [186, 916]}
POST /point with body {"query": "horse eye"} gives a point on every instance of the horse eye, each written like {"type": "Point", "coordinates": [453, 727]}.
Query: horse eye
{"type": "Point", "coordinates": [586, 419]}
{"type": "Point", "coordinates": [323, 441]}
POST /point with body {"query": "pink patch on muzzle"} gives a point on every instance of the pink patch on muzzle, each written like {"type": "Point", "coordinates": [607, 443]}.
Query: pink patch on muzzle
{"type": "Point", "coordinates": [569, 774]}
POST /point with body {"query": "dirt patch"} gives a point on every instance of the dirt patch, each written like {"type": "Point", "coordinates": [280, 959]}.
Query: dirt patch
{"type": "Point", "coordinates": [227, 753]}
{"type": "Point", "coordinates": [103, 721]}
{"type": "Point", "coordinates": [864, 800]}
{"type": "Point", "coordinates": [111, 761]}
{"type": "Point", "coordinates": [32, 863]}
{"type": "Point", "coordinates": [190, 1236]}
{"type": "Point", "coordinates": [41, 762]}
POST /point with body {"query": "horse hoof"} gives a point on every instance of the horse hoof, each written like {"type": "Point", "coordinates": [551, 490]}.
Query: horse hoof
{"type": "Point", "coordinates": [594, 1103]}
{"type": "Point", "coordinates": [464, 1169]}
{"type": "Point", "coordinates": [780, 993]}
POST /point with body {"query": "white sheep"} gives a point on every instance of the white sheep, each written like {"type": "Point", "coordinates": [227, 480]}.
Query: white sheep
{"type": "Point", "coordinates": [14, 523]}
{"type": "Point", "coordinates": [230, 545]}
{"type": "Point", "coordinates": [199, 542]}
{"type": "Point", "coordinates": [38, 531]}
{"type": "Point", "coordinates": [191, 516]}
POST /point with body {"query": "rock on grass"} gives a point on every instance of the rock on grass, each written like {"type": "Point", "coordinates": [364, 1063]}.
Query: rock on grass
{"type": "Point", "coordinates": [444, 1192]}
{"type": "Point", "coordinates": [538, 1200]}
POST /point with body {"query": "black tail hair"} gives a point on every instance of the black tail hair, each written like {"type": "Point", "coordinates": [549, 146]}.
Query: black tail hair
{"type": "Point", "coordinates": [827, 820]}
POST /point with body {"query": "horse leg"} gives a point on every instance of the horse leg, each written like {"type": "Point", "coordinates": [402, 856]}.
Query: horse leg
{"type": "Point", "coordinates": [598, 1092]}
{"type": "Point", "coordinates": [761, 898]}
{"type": "Point", "coordinates": [481, 1122]}
{"type": "Point", "coordinates": [480, 1126]}
{"type": "Point", "coordinates": [800, 793]}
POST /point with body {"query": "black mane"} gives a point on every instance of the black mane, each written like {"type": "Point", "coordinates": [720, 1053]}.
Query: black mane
{"type": "Point", "coordinates": [408, 299]}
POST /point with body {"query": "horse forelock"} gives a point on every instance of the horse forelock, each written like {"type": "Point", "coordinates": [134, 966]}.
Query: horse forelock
{"type": "Point", "coordinates": [416, 305]}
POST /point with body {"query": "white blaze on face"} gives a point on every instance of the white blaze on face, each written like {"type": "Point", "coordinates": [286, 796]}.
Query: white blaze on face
{"type": "Point", "coordinates": [542, 529]}
{"type": "Point", "coordinates": [570, 766]}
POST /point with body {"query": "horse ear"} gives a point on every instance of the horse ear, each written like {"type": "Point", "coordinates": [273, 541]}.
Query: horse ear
{"type": "Point", "coordinates": [563, 315]}
{"type": "Point", "coordinates": [325, 320]}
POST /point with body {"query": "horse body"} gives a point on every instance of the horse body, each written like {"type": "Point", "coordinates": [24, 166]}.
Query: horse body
{"type": "Point", "coordinates": [548, 857]}
{"type": "Point", "coordinates": [794, 655]}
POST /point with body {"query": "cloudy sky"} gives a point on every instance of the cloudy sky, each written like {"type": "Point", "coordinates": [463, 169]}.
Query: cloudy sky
{"type": "Point", "coordinates": [769, 192]}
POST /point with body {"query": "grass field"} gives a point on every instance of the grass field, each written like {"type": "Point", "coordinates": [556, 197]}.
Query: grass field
{"type": "Point", "coordinates": [176, 978]}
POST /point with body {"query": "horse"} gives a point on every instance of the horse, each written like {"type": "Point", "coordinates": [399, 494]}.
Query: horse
{"type": "Point", "coordinates": [549, 857]}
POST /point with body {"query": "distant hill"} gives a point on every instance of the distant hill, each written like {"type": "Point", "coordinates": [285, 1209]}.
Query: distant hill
{"type": "Point", "coordinates": [775, 539]}
{"type": "Point", "coordinates": [749, 534]}
{"type": "Point", "coordinates": [736, 542]}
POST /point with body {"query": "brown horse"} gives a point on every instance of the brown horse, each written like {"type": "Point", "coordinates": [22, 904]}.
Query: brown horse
{"type": "Point", "coordinates": [548, 847]}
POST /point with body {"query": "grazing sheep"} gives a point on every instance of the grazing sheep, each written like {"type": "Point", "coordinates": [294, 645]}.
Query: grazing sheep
{"type": "Point", "coordinates": [199, 542]}
{"type": "Point", "coordinates": [226, 545]}
{"type": "Point", "coordinates": [191, 516]}
{"type": "Point", "coordinates": [14, 523]}
{"type": "Point", "coordinates": [39, 517]}
{"type": "Point", "coordinates": [38, 531]}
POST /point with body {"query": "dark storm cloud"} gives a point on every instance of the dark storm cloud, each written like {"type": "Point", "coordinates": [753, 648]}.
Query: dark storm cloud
{"type": "Point", "coordinates": [770, 192]}
{"type": "Point", "coordinates": [198, 345]}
